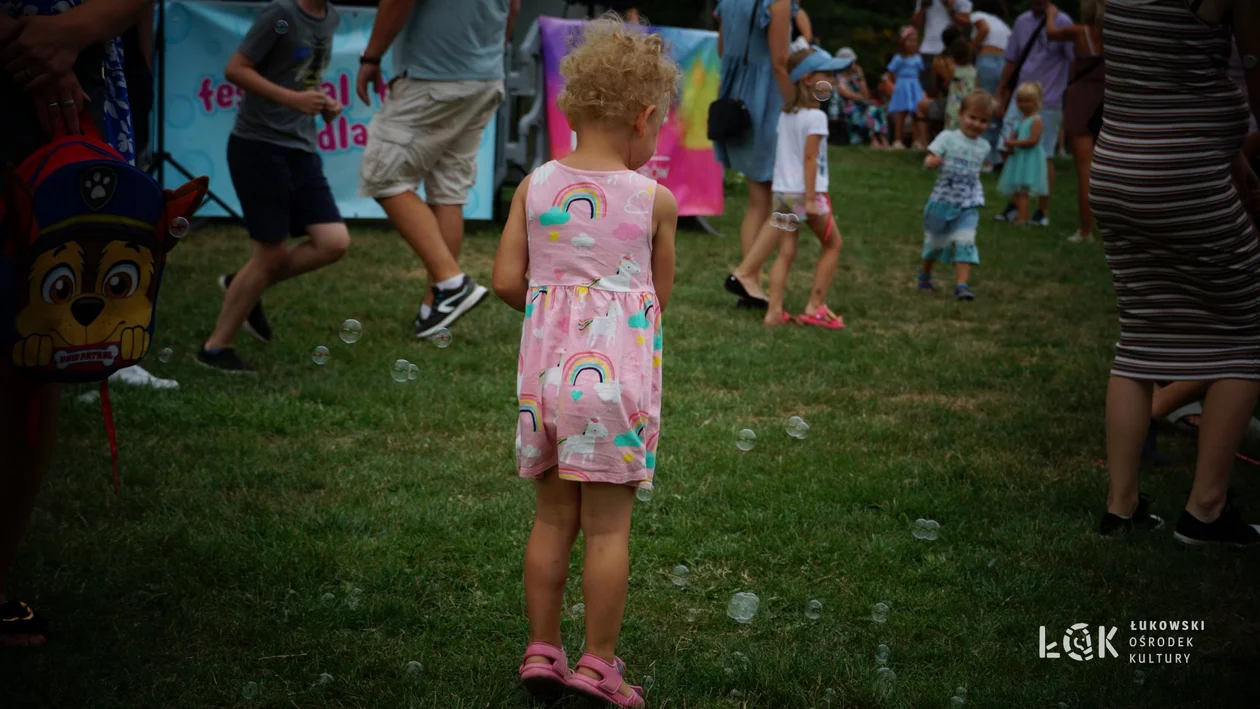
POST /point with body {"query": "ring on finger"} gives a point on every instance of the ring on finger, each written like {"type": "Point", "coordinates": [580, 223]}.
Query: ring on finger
{"type": "Point", "coordinates": [53, 105]}
{"type": "Point", "coordinates": [66, 103]}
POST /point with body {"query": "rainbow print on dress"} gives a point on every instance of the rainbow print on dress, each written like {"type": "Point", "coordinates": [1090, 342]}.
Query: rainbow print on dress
{"type": "Point", "coordinates": [586, 198]}
{"type": "Point", "coordinates": [606, 388]}
{"type": "Point", "coordinates": [529, 405]}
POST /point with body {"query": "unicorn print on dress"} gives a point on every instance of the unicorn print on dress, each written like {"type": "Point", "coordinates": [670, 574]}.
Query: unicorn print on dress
{"type": "Point", "coordinates": [597, 363]}
{"type": "Point", "coordinates": [582, 446]}
{"type": "Point", "coordinates": [602, 327]}
{"type": "Point", "coordinates": [552, 376]}
{"type": "Point", "coordinates": [619, 282]}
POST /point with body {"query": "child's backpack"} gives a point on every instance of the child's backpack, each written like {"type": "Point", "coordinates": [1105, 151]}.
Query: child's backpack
{"type": "Point", "coordinates": [83, 241]}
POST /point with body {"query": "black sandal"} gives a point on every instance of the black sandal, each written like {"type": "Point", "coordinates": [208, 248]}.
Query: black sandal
{"type": "Point", "coordinates": [734, 287]}
{"type": "Point", "coordinates": [18, 618]}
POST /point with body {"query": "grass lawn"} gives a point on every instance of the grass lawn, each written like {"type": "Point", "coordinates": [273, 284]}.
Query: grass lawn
{"type": "Point", "coordinates": [307, 520]}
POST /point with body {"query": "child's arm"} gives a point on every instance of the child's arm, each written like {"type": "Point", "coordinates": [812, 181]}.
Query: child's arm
{"type": "Point", "coordinates": [242, 67]}
{"type": "Point", "coordinates": [511, 263]}
{"type": "Point", "coordinates": [932, 161]}
{"type": "Point", "coordinates": [936, 151]}
{"type": "Point", "coordinates": [665, 218]}
{"type": "Point", "coordinates": [813, 143]}
{"type": "Point", "coordinates": [1034, 136]}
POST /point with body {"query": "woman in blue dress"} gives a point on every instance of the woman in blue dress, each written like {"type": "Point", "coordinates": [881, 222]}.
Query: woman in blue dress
{"type": "Point", "coordinates": [754, 49]}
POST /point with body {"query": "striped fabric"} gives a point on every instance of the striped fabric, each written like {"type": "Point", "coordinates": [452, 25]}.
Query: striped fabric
{"type": "Point", "coordinates": [1183, 253]}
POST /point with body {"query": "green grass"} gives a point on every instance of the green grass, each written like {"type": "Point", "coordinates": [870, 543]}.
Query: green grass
{"type": "Point", "coordinates": [247, 499]}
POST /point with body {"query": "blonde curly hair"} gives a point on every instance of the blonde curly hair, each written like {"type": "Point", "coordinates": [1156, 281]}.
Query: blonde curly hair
{"type": "Point", "coordinates": [615, 72]}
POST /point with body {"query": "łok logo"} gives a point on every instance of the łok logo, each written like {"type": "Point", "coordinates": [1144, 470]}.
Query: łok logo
{"type": "Point", "coordinates": [1079, 644]}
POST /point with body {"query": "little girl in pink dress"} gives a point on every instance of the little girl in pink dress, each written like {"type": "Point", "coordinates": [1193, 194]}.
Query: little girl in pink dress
{"type": "Point", "coordinates": [588, 255]}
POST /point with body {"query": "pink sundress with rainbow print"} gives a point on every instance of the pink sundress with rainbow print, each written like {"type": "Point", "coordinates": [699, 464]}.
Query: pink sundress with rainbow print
{"type": "Point", "coordinates": [589, 381]}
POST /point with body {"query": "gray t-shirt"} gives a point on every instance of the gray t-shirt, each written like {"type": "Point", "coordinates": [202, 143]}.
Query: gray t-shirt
{"type": "Point", "coordinates": [290, 48]}
{"type": "Point", "coordinates": [453, 40]}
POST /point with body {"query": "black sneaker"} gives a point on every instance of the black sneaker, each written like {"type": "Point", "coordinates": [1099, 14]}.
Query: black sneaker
{"type": "Point", "coordinates": [224, 360]}
{"type": "Point", "coordinates": [1039, 218]}
{"type": "Point", "coordinates": [1010, 214]}
{"type": "Point", "coordinates": [962, 291]}
{"type": "Point", "coordinates": [1228, 529]}
{"type": "Point", "coordinates": [256, 323]}
{"type": "Point", "coordinates": [449, 306]}
{"type": "Point", "coordinates": [1141, 520]}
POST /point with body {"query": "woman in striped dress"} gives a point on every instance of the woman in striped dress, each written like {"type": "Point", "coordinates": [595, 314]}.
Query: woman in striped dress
{"type": "Point", "coordinates": [1184, 255]}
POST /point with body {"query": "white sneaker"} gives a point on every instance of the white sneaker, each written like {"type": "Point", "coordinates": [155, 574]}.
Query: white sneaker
{"type": "Point", "coordinates": [138, 376]}
{"type": "Point", "coordinates": [1079, 238]}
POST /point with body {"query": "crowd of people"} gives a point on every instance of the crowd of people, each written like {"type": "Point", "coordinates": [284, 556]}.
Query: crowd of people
{"type": "Point", "coordinates": [587, 253]}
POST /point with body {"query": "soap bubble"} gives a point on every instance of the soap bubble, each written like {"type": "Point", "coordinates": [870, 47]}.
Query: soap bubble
{"type": "Point", "coordinates": [325, 678]}
{"type": "Point", "coordinates": [680, 576]}
{"type": "Point", "coordinates": [249, 691]}
{"type": "Point", "coordinates": [736, 694]}
{"type": "Point", "coordinates": [691, 615]}
{"type": "Point", "coordinates": [320, 355]}
{"type": "Point", "coordinates": [879, 612]}
{"type": "Point", "coordinates": [960, 691]}
{"type": "Point", "coordinates": [743, 607]}
{"type": "Point", "coordinates": [885, 677]}
{"type": "Point", "coordinates": [881, 654]}
{"type": "Point", "coordinates": [179, 227]}
{"type": "Point", "coordinates": [643, 494]}
{"type": "Point", "coordinates": [441, 338]}
{"type": "Point", "coordinates": [414, 668]}
{"type": "Point", "coordinates": [165, 354]}
{"type": "Point", "coordinates": [823, 91]}
{"type": "Point", "coordinates": [327, 598]}
{"type": "Point", "coordinates": [282, 27]}
{"type": "Point", "coordinates": [797, 428]}
{"type": "Point", "coordinates": [745, 440]}
{"type": "Point", "coordinates": [351, 331]}
{"type": "Point", "coordinates": [791, 221]}
{"type": "Point", "coordinates": [829, 696]}
{"type": "Point", "coordinates": [776, 220]}
{"type": "Point", "coordinates": [647, 684]}
{"type": "Point", "coordinates": [813, 609]}
{"type": "Point", "coordinates": [578, 610]}
{"type": "Point", "coordinates": [412, 372]}
{"type": "Point", "coordinates": [401, 371]}
{"type": "Point", "coordinates": [353, 599]}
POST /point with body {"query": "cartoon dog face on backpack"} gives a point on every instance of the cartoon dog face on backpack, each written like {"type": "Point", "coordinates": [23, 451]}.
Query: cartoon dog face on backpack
{"type": "Point", "coordinates": [86, 247]}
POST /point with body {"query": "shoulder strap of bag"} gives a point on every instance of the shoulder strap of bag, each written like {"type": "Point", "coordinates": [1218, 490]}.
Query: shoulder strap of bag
{"type": "Point", "coordinates": [1019, 66]}
{"type": "Point", "coordinates": [743, 61]}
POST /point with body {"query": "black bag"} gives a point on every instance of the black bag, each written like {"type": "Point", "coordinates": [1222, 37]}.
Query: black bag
{"type": "Point", "coordinates": [729, 119]}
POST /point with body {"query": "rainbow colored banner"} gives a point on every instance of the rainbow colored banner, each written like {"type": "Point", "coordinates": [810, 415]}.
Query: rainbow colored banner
{"type": "Point", "coordinates": [684, 159]}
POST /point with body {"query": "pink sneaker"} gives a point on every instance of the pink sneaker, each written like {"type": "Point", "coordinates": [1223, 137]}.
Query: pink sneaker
{"type": "Point", "coordinates": [607, 687]}
{"type": "Point", "coordinates": [541, 679]}
{"type": "Point", "coordinates": [824, 318]}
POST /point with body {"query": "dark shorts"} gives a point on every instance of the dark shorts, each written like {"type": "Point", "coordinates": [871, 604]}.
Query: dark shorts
{"type": "Point", "coordinates": [282, 190]}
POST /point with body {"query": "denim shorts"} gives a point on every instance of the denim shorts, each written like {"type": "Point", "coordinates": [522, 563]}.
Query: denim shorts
{"type": "Point", "coordinates": [949, 233]}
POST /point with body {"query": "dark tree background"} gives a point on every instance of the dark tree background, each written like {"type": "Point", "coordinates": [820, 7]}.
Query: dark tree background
{"type": "Point", "coordinates": [868, 26]}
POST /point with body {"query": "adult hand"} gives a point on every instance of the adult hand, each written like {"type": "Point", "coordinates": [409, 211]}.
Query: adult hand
{"type": "Point", "coordinates": [999, 111]}
{"type": "Point", "coordinates": [308, 102]}
{"type": "Point", "coordinates": [369, 75]}
{"type": "Point", "coordinates": [40, 53]}
{"type": "Point", "coordinates": [60, 101]}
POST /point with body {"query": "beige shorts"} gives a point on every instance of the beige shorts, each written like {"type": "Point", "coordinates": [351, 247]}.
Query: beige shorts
{"type": "Point", "coordinates": [428, 133]}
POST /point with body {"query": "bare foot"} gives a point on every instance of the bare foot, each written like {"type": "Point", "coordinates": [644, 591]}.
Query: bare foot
{"type": "Point", "coordinates": [751, 285]}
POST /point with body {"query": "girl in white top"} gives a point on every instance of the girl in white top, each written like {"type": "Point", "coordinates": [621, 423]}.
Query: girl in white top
{"type": "Point", "coordinates": [800, 194]}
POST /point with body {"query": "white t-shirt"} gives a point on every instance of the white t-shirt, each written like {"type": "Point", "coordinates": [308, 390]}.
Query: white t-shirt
{"type": "Point", "coordinates": [999, 32]}
{"type": "Point", "coordinates": [789, 156]}
{"type": "Point", "coordinates": [935, 19]}
{"type": "Point", "coordinates": [958, 183]}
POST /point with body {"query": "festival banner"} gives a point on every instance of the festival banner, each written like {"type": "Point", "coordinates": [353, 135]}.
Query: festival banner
{"type": "Point", "coordinates": [201, 106]}
{"type": "Point", "coordinates": [684, 159]}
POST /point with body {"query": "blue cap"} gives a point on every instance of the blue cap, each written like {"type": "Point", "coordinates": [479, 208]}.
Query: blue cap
{"type": "Point", "coordinates": [820, 60]}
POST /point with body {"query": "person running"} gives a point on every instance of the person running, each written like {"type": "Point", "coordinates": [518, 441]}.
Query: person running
{"type": "Point", "coordinates": [275, 167]}
{"type": "Point", "coordinates": [448, 82]}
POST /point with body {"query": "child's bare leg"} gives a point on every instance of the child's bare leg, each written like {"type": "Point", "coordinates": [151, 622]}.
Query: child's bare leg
{"type": "Point", "coordinates": [899, 127]}
{"type": "Point", "coordinates": [778, 278]}
{"type": "Point", "coordinates": [557, 519]}
{"type": "Point", "coordinates": [962, 271]}
{"type": "Point", "coordinates": [1176, 395]}
{"type": "Point", "coordinates": [926, 268]}
{"type": "Point", "coordinates": [1021, 204]}
{"type": "Point", "coordinates": [606, 511]}
{"type": "Point", "coordinates": [825, 270]}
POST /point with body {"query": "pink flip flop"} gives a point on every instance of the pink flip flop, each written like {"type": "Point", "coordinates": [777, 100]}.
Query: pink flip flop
{"type": "Point", "coordinates": [606, 688]}
{"type": "Point", "coordinates": [824, 318]}
{"type": "Point", "coordinates": [541, 679]}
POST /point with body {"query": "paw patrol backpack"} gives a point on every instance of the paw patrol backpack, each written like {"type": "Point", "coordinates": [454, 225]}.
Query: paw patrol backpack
{"type": "Point", "coordinates": [83, 242]}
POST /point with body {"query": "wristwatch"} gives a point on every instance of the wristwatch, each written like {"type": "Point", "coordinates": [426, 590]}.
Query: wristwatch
{"type": "Point", "coordinates": [365, 59]}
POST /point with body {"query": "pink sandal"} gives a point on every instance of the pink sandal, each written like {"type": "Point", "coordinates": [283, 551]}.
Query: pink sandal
{"type": "Point", "coordinates": [607, 687]}
{"type": "Point", "coordinates": [541, 679]}
{"type": "Point", "coordinates": [824, 318]}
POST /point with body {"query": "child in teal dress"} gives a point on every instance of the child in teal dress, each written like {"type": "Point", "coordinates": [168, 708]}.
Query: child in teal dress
{"type": "Point", "coordinates": [1026, 175]}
